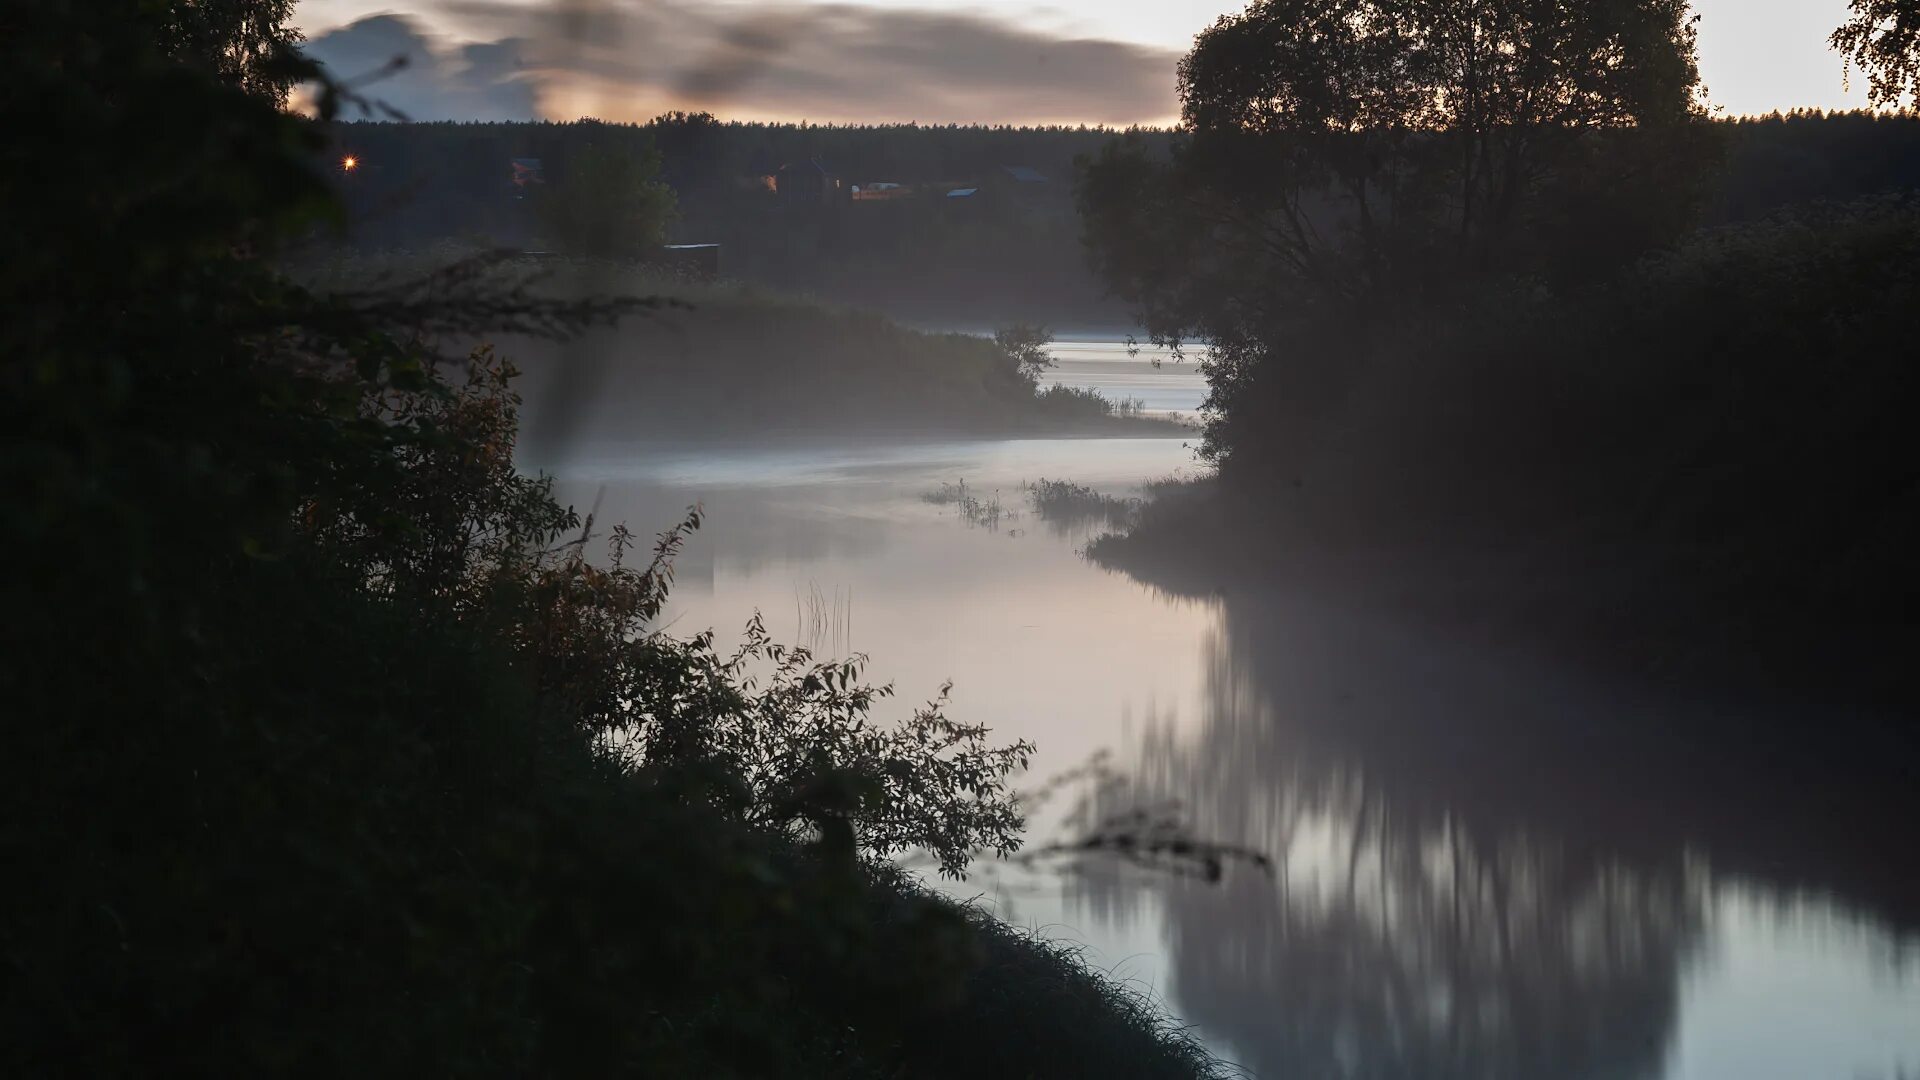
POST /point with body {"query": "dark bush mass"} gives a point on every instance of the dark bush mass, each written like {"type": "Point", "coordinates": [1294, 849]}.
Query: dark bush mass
{"type": "Point", "coordinates": [335, 744]}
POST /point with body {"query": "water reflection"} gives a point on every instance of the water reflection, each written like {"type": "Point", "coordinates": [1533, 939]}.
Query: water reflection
{"type": "Point", "coordinates": [1148, 376]}
{"type": "Point", "coordinates": [1473, 877]}
{"type": "Point", "coordinates": [1484, 869]}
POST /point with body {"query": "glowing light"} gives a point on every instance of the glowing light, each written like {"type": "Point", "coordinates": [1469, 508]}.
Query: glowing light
{"type": "Point", "coordinates": [349, 163]}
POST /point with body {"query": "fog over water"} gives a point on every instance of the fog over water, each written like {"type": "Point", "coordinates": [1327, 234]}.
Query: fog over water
{"type": "Point", "coordinates": [1472, 879]}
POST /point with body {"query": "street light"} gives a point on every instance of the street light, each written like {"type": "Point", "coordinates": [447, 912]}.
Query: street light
{"type": "Point", "coordinates": [349, 163]}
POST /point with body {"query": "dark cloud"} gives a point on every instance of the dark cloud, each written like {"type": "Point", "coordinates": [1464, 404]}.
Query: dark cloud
{"type": "Point", "coordinates": [441, 81]}
{"type": "Point", "coordinates": [826, 62]}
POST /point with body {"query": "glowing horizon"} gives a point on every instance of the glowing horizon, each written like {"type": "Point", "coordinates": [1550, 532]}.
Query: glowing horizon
{"type": "Point", "coordinates": [890, 61]}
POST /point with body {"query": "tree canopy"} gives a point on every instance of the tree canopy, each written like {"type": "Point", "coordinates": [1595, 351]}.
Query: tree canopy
{"type": "Point", "coordinates": [243, 42]}
{"type": "Point", "coordinates": [1359, 159]}
{"type": "Point", "coordinates": [1883, 37]}
{"type": "Point", "coordinates": [318, 700]}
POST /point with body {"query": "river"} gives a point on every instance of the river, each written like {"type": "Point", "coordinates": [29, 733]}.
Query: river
{"type": "Point", "coordinates": [1465, 882]}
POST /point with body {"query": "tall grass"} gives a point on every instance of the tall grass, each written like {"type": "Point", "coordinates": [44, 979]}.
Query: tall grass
{"type": "Point", "coordinates": [1066, 503]}
{"type": "Point", "coordinates": [983, 512]}
{"type": "Point", "coordinates": [823, 621]}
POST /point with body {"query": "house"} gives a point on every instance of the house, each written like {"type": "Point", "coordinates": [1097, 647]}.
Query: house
{"type": "Point", "coordinates": [807, 184]}
{"type": "Point", "coordinates": [528, 172]}
{"type": "Point", "coordinates": [1022, 183]}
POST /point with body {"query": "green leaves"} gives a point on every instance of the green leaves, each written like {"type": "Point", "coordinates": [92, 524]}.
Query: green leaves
{"type": "Point", "coordinates": [608, 201]}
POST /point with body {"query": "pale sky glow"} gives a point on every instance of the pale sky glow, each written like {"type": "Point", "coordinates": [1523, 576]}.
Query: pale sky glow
{"type": "Point", "coordinates": [1097, 61]}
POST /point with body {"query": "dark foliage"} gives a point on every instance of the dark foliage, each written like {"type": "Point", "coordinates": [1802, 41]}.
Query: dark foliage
{"type": "Point", "coordinates": [1340, 158]}
{"type": "Point", "coordinates": [329, 751]}
{"type": "Point", "coordinates": [1883, 38]}
{"type": "Point", "coordinates": [1018, 258]}
{"type": "Point", "coordinates": [1705, 467]}
{"type": "Point", "coordinates": [1532, 387]}
{"type": "Point", "coordinates": [610, 202]}
{"type": "Point", "coordinates": [1010, 253]}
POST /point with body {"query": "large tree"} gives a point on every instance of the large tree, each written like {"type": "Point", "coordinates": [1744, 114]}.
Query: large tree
{"type": "Point", "coordinates": [1352, 159]}
{"type": "Point", "coordinates": [244, 42]}
{"type": "Point", "coordinates": [1883, 37]}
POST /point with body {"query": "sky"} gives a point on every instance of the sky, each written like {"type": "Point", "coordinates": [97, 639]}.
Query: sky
{"type": "Point", "coordinates": [983, 61]}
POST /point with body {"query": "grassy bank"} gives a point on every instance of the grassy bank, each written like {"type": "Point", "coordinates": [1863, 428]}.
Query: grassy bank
{"type": "Point", "coordinates": [728, 360]}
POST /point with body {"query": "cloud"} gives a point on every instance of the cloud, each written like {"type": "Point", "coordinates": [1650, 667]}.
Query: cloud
{"type": "Point", "coordinates": [632, 59]}
{"type": "Point", "coordinates": [441, 80]}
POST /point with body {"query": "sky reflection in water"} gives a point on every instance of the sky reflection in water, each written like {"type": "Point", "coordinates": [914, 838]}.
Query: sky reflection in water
{"type": "Point", "coordinates": [1474, 880]}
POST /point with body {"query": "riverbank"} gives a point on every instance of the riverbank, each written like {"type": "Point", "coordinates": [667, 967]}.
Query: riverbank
{"type": "Point", "coordinates": [1275, 718]}
{"type": "Point", "coordinates": [1787, 756]}
{"type": "Point", "coordinates": [1606, 609]}
{"type": "Point", "coordinates": [1702, 472]}
{"type": "Point", "coordinates": [724, 360]}
{"type": "Point", "coordinates": [343, 748]}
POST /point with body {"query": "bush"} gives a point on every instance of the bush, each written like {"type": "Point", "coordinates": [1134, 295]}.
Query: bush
{"type": "Point", "coordinates": [608, 201]}
{"type": "Point", "coordinates": [328, 749]}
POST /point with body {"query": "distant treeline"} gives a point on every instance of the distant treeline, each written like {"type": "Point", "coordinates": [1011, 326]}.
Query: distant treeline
{"type": "Point", "coordinates": [996, 256]}
{"type": "Point", "coordinates": [1775, 162]}
{"type": "Point", "coordinates": [990, 258]}
{"type": "Point", "coordinates": [705, 157]}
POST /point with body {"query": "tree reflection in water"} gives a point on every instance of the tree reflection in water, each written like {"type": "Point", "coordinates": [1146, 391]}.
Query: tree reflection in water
{"type": "Point", "coordinates": [1450, 897]}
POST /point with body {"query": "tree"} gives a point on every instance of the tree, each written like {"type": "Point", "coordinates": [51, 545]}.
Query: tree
{"type": "Point", "coordinates": [608, 201]}
{"type": "Point", "coordinates": [1342, 161]}
{"type": "Point", "coordinates": [1883, 37]}
{"type": "Point", "coordinates": [1358, 139]}
{"type": "Point", "coordinates": [243, 42]}
{"type": "Point", "coordinates": [310, 703]}
{"type": "Point", "coordinates": [1026, 346]}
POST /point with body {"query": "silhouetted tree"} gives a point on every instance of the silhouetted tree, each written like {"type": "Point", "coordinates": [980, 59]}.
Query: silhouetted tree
{"type": "Point", "coordinates": [244, 42]}
{"type": "Point", "coordinates": [1883, 37]}
{"type": "Point", "coordinates": [1026, 346]}
{"type": "Point", "coordinates": [1353, 159]}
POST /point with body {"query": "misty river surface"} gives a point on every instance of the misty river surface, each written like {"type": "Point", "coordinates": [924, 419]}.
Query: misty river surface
{"type": "Point", "coordinates": [1442, 905]}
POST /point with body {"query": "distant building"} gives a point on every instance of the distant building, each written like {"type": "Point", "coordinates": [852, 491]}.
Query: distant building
{"type": "Point", "coordinates": [698, 262]}
{"type": "Point", "coordinates": [527, 173]}
{"type": "Point", "coordinates": [1022, 182]}
{"type": "Point", "coordinates": [881, 191]}
{"type": "Point", "coordinates": [807, 184]}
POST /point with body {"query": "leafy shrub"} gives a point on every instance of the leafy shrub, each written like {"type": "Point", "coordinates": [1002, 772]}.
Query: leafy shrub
{"type": "Point", "coordinates": [327, 751]}
{"type": "Point", "coordinates": [608, 200]}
